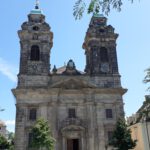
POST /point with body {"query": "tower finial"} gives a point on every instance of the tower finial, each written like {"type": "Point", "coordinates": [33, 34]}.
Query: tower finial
{"type": "Point", "coordinates": [37, 4]}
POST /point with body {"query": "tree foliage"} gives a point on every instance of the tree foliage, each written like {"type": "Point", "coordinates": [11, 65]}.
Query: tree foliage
{"type": "Point", "coordinates": [147, 77]}
{"type": "Point", "coordinates": [1, 109]}
{"type": "Point", "coordinates": [7, 143]}
{"type": "Point", "coordinates": [4, 144]}
{"type": "Point", "coordinates": [42, 136]}
{"type": "Point", "coordinates": [144, 111]}
{"type": "Point", "coordinates": [11, 137]}
{"type": "Point", "coordinates": [95, 6]}
{"type": "Point", "coordinates": [122, 137]}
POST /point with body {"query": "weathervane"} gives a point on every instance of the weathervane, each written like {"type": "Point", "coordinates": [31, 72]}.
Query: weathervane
{"type": "Point", "coordinates": [37, 4]}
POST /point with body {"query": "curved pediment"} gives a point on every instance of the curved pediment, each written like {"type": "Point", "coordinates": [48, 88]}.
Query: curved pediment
{"type": "Point", "coordinates": [74, 123]}
{"type": "Point", "coordinates": [72, 84]}
{"type": "Point", "coordinates": [73, 131]}
{"type": "Point", "coordinates": [72, 128]}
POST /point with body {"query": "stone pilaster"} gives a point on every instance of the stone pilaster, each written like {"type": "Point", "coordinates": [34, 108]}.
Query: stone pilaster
{"type": "Point", "coordinates": [20, 128]}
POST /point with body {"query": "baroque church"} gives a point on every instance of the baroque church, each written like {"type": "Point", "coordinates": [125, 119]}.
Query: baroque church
{"type": "Point", "coordinates": [81, 107]}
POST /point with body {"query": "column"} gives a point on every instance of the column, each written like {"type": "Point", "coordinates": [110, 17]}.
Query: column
{"type": "Point", "coordinates": [63, 143]}
{"type": "Point", "coordinates": [91, 128]}
{"type": "Point", "coordinates": [20, 138]}
{"type": "Point", "coordinates": [101, 136]}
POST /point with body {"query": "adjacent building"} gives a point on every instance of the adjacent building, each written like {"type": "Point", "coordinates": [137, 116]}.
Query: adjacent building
{"type": "Point", "coordinates": [82, 107]}
{"type": "Point", "coordinates": [139, 124]}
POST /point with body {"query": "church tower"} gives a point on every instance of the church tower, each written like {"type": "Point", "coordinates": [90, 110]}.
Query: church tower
{"type": "Point", "coordinates": [36, 40]}
{"type": "Point", "coordinates": [81, 107]}
{"type": "Point", "coordinates": [36, 43]}
{"type": "Point", "coordinates": [100, 47]}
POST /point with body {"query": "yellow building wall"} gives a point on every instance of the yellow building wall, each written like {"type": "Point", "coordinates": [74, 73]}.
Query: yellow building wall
{"type": "Point", "coordinates": [136, 133]}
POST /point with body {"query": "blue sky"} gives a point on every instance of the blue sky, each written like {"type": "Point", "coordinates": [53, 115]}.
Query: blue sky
{"type": "Point", "coordinates": [133, 46]}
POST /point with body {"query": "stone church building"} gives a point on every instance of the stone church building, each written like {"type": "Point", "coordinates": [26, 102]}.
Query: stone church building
{"type": "Point", "coordinates": [81, 107]}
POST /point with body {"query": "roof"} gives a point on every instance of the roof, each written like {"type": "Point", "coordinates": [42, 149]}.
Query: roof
{"type": "Point", "coordinates": [36, 11]}
{"type": "Point", "coordinates": [98, 15]}
{"type": "Point", "coordinates": [62, 69]}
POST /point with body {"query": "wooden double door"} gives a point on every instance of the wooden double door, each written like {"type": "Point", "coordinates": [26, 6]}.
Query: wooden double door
{"type": "Point", "coordinates": [73, 144]}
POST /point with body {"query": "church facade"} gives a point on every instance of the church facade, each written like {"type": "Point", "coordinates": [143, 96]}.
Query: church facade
{"type": "Point", "coordinates": [81, 107]}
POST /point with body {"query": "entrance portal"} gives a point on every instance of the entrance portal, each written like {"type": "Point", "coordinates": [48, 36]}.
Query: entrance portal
{"type": "Point", "coordinates": [72, 144]}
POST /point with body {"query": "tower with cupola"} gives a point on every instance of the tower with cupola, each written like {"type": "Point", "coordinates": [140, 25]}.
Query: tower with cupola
{"type": "Point", "coordinates": [100, 47]}
{"type": "Point", "coordinates": [36, 41]}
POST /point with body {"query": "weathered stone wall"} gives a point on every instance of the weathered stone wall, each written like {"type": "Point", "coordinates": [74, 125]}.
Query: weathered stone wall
{"type": "Point", "coordinates": [52, 95]}
{"type": "Point", "coordinates": [90, 125]}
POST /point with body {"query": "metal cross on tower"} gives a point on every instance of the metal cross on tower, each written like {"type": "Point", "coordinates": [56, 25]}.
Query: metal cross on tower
{"type": "Point", "coordinates": [37, 4]}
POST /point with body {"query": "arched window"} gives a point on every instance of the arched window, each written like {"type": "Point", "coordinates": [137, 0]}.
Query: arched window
{"type": "Point", "coordinates": [35, 53]}
{"type": "Point", "coordinates": [94, 51]}
{"type": "Point", "coordinates": [103, 54]}
{"type": "Point", "coordinates": [101, 30]}
{"type": "Point", "coordinates": [35, 28]}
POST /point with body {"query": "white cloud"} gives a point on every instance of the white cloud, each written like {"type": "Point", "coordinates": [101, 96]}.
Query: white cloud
{"type": "Point", "coordinates": [8, 70]}
{"type": "Point", "coordinates": [10, 122]}
{"type": "Point", "coordinates": [10, 125]}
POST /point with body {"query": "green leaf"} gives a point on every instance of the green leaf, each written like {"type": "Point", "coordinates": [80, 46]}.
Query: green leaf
{"type": "Point", "coordinates": [79, 9]}
{"type": "Point", "coordinates": [42, 136]}
{"type": "Point", "coordinates": [4, 144]}
{"type": "Point", "coordinates": [122, 137]}
{"type": "Point", "coordinates": [95, 7]}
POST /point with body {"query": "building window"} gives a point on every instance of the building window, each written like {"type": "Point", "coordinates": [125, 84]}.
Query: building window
{"type": "Point", "coordinates": [103, 54]}
{"type": "Point", "coordinates": [94, 57]}
{"type": "Point", "coordinates": [32, 114]}
{"type": "Point", "coordinates": [72, 113]}
{"type": "Point", "coordinates": [101, 30]}
{"type": "Point", "coordinates": [110, 136]}
{"type": "Point", "coordinates": [35, 28]}
{"type": "Point", "coordinates": [109, 114]}
{"type": "Point", "coordinates": [35, 53]}
{"type": "Point", "coordinates": [30, 139]}
{"type": "Point", "coordinates": [35, 37]}
{"type": "Point", "coordinates": [94, 51]}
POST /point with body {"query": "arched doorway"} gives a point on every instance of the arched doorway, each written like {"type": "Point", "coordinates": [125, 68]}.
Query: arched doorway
{"type": "Point", "coordinates": [73, 138]}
